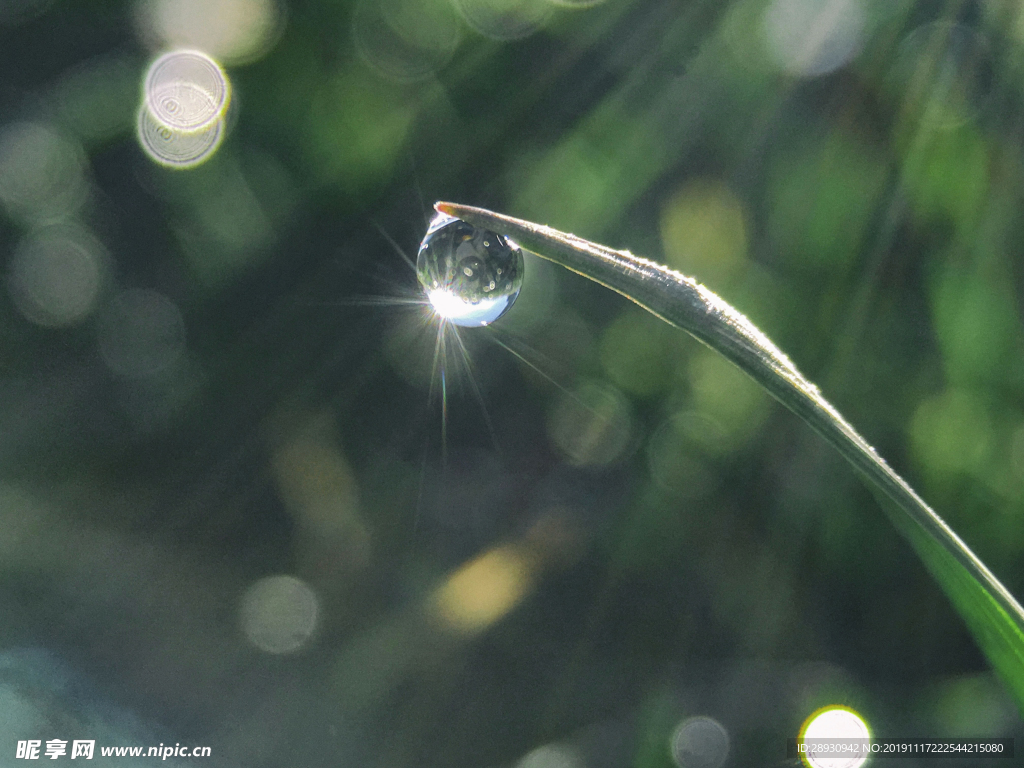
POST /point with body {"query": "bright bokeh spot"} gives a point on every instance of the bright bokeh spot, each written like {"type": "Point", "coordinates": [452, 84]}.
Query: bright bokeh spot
{"type": "Point", "coordinates": [485, 589]}
{"type": "Point", "coordinates": [278, 614]}
{"type": "Point", "coordinates": [835, 722]}
{"type": "Point", "coordinates": [700, 742]}
{"type": "Point", "coordinates": [42, 173]}
{"type": "Point", "coordinates": [809, 38]}
{"type": "Point", "coordinates": [185, 97]}
{"type": "Point", "coordinates": [174, 149]}
{"type": "Point", "coordinates": [55, 275]}
{"type": "Point", "coordinates": [234, 31]}
{"type": "Point", "coordinates": [186, 91]}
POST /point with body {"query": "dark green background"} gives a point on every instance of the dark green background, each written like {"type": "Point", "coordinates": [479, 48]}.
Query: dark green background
{"type": "Point", "coordinates": [721, 560]}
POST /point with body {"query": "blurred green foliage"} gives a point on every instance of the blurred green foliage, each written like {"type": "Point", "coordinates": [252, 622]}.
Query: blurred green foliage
{"type": "Point", "coordinates": [717, 561]}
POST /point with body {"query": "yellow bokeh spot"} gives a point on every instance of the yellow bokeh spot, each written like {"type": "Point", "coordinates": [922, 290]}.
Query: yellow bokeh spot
{"type": "Point", "coordinates": [704, 232]}
{"type": "Point", "coordinates": [722, 392]}
{"type": "Point", "coordinates": [950, 433]}
{"type": "Point", "coordinates": [485, 589]}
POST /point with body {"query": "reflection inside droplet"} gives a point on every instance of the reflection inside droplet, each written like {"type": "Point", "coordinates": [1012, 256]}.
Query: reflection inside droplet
{"type": "Point", "coordinates": [471, 276]}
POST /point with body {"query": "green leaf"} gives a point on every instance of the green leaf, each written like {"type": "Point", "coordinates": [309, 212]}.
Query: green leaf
{"type": "Point", "coordinates": [991, 613]}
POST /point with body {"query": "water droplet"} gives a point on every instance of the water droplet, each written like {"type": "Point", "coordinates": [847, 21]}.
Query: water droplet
{"type": "Point", "coordinates": [471, 276]}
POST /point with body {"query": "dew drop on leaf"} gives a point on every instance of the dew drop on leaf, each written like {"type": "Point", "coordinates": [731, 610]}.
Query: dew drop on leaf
{"type": "Point", "coordinates": [471, 276]}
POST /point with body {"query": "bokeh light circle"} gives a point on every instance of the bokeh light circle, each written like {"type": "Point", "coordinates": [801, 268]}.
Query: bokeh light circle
{"type": "Point", "coordinates": [552, 756]}
{"type": "Point", "coordinates": [405, 40]}
{"type": "Point", "coordinates": [834, 722]}
{"type": "Point", "coordinates": [700, 742]}
{"type": "Point", "coordinates": [591, 426]}
{"type": "Point", "coordinates": [141, 333]}
{"type": "Point", "coordinates": [176, 149]}
{"type": "Point", "coordinates": [504, 19]}
{"type": "Point", "coordinates": [809, 38]}
{"type": "Point", "coordinates": [233, 31]}
{"type": "Point", "coordinates": [278, 614]}
{"type": "Point", "coordinates": [186, 91]}
{"type": "Point", "coordinates": [42, 173]}
{"type": "Point", "coordinates": [55, 276]}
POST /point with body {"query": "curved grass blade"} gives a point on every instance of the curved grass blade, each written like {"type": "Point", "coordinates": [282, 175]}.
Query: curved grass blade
{"type": "Point", "coordinates": [993, 615]}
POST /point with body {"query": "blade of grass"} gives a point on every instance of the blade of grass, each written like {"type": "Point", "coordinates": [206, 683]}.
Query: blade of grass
{"type": "Point", "coordinates": [992, 614]}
